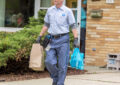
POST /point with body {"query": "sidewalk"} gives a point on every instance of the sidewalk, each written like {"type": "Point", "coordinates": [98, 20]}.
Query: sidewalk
{"type": "Point", "coordinates": [9, 29]}
{"type": "Point", "coordinates": [94, 76]}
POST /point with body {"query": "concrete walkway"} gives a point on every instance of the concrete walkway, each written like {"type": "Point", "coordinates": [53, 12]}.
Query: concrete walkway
{"type": "Point", "coordinates": [92, 77]}
{"type": "Point", "coordinates": [9, 29]}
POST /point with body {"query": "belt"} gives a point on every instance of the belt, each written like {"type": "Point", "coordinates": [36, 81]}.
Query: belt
{"type": "Point", "coordinates": [58, 36]}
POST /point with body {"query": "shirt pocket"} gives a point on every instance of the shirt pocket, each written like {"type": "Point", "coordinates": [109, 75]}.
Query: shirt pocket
{"type": "Point", "coordinates": [61, 19]}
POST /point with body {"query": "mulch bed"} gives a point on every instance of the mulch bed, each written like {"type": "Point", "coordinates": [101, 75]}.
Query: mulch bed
{"type": "Point", "coordinates": [34, 75]}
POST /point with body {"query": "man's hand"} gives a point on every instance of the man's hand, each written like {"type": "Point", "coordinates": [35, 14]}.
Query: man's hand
{"type": "Point", "coordinates": [76, 42]}
{"type": "Point", "coordinates": [38, 39]}
{"type": "Point", "coordinates": [44, 29]}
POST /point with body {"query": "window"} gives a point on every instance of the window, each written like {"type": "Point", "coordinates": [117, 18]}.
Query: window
{"type": "Point", "coordinates": [46, 3]}
{"type": "Point", "coordinates": [71, 3]}
{"type": "Point", "coordinates": [15, 13]}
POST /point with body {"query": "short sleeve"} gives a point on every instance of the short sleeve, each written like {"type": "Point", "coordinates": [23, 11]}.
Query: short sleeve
{"type": "Point", "coordinates": [71, 18]}
{"type": "Point", "coordinates": [46, 18]}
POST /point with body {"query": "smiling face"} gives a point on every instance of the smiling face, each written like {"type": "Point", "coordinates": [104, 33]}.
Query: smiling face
{"type": "Point", "coordinates": [58, 2]}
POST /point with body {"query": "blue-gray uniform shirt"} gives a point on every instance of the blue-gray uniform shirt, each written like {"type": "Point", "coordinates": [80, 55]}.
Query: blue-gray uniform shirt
{"type": "Point", "coordinates": [58, 20]}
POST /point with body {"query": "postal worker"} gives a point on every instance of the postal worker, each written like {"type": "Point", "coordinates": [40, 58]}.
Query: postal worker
{"type": "Point", "coordinates": [57, 20]}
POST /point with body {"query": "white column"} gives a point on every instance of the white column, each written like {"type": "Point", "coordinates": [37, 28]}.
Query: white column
{"type": "Point", "coordinates": [2, 13]}
{"type": "Point", "coordinates": [64, 2]}
{"type": "Point", "coordinates": [79, 18]}
{"type": "Point", "coordinates": [36, 8]}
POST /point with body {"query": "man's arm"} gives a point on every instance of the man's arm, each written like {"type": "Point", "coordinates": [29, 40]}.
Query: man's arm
{"type": "Point", "coordinates": [75, 33]}
{"type": "Point", "coordinates": [71, 21]}
{"type": "Point", "coordinates": [44, 30]}
{"type": "Point", "coordinates": [46, 24]}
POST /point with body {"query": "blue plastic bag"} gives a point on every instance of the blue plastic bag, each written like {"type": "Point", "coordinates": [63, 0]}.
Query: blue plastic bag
{"type": "Point", "coordinates": [77, 59]}
{"type": "Point", "coordinates": [73, 59]}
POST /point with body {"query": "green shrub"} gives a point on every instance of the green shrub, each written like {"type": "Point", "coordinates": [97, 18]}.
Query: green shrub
{"type": "Point", "coordinates": [18, 44]}
{"type": "Point", "coordinates": [4, 34]}
{"type": "Point", "coordinates": [33, 21]}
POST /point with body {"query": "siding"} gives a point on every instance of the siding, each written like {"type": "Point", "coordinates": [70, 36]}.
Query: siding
{"type": "Point", "coordinates": [102, 34]}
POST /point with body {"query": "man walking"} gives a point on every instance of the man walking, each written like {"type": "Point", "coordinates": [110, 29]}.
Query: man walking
{"type": "Point", "coordinates": [58, 19]}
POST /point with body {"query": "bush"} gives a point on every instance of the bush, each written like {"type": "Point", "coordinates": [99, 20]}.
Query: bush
{"type": "Point", "coordinates": [4, 34]}
{"type": "Point", "coordinates": [15, 47]}
{"type": "Point", "coordinates": [33, 21]}
{"type": "Point", "coordinates": [18, 45]}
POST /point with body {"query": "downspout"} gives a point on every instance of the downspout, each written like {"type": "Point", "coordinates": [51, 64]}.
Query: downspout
{"type": "Point", "coordinates": [64, 2]}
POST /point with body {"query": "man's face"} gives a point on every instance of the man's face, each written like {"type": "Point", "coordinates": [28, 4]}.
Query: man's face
{"type": "Point", "coordinates": [58, 2]}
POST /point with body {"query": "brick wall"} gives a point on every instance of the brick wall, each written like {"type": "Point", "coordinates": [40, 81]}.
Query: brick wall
{"type": "Point", "coordinates": [102, 34]}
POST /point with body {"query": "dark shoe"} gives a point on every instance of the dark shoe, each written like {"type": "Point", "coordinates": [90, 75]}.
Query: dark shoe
{"type": "Point", "coordinates": [54, 83]}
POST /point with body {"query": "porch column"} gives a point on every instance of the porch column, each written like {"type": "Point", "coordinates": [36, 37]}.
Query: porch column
{"type": "Point", "coordinates": [64, 2]}
{"type": "Point", "coordinates": [2, 13]}
{"type": "Point", "coordinates": [36, 8]}
{"type": "Point", "coordinates": [79, 18]}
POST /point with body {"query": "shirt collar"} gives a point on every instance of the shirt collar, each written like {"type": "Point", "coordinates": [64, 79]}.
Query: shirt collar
{"type": "Point", "coordinates": [61, 8]}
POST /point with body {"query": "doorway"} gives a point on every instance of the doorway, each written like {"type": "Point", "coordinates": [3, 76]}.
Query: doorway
{"type": "Point", "coordinates": [79, 8]}
{"type": "Point", "coordinates": [83, 25]}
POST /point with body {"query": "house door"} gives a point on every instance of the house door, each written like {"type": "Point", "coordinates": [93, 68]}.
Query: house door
{"type": "Point", "coordinates": [79, 10]}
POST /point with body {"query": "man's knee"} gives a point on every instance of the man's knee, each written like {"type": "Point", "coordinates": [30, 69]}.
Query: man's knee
{"type": "Point", "coordinates": [62, 68]}
{"type": "Point", "coordinates": [50, 62]}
